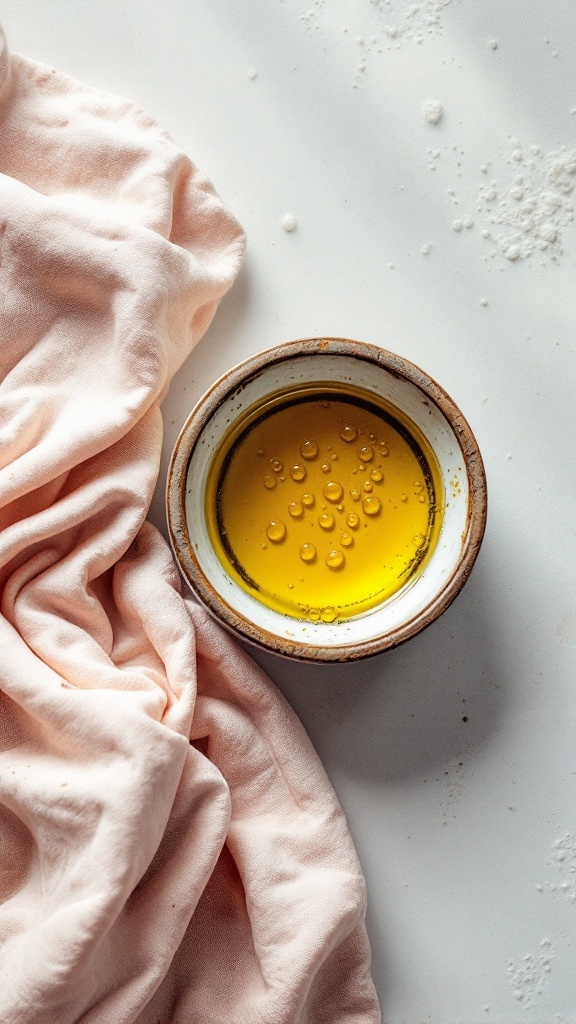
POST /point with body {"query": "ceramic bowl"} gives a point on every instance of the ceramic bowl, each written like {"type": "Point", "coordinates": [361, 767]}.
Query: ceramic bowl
{"type": "Point", "coordinates": [403, 385]}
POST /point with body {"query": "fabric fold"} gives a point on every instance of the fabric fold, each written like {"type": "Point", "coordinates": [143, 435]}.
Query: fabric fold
{"type": "Point", "coordinates": [171, 850]}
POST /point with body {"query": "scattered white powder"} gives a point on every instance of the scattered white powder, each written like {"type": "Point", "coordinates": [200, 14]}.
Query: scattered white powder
{"type": "Point", "coordinates": [289, 222]}
{"type": "Point", "coordinates": [380, 25]}
{"type": "Point", "coordinates": [529, 977]}
{"type": "Point", "coordinates": [432, 111]}
{"type": "Point", "coordinates": [252, 74]}
{"type": "Point", "coordinates": [457, 225]}
{"type": "Point", "coordinates": [483, 302]}
{"type": "Point", "coordinates": [493, 44]}
{"type": "Point", "coordinates": [562, 867]}
{"type": "Point", "coordinates": [412, 22]}
{"type": "Point", "coordinates": [528, 214]}
{"type": "Point", "coordinates": [426, 249]}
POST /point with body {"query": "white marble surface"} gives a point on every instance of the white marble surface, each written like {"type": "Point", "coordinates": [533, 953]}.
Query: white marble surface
{"type": "Point", "coordinates": [454, 756]}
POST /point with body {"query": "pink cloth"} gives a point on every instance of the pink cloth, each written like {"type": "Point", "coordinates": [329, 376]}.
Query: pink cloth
{"type": "Point", "coordinates": [171, 851]}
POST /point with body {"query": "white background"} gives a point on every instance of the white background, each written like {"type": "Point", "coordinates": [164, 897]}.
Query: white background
{"type": "Point", "coordinates": [454, 821]}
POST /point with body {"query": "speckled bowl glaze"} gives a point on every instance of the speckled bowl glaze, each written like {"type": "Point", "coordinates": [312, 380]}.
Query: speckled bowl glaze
{"type": "Point", "coordinates": [404, 386]}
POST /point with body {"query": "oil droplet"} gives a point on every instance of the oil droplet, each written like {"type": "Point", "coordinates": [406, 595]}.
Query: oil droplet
{"type": "Point", "coordinates": [328, 614]}
{"type": "Point", "coordinates": [308, 500]}
{"type": "Point", "coordinates": [384, 451]}
{"type": "Point", "coordinates": [276, 531]}
{"type": "Point", "coordinates": [373, 438]}
{"type": "Point", "coordinates": [333, 491]}
{"type": "Point", "coordinates": [290, 586]}
{"type": "Point", "coordinates": [296, 509]}
{"type": "Point", "coordinates": [355, 494]}
{"type": "Point", "coordinates": [404, 498]}
{"type": "Point", "coordinates": [335, 559]}
{"type": "Point", "coordinates": [376, 475]}
{"type": "Point", "coordinates": [418, 541]}
{"type": "Point", "coordinates": [298, 472]}
{"type": "Point", "coordinates": [366, 454]}
{"type": "Point", "coordinates": [325, 466]}
{"type": "Point", "coordinates": [264, 547]}
{"type": "Point", "coordinates": [260, 452]}
{"type": "Point", "coordinates": [307, 552]}
{"type": "Point", "coordinates": [371, 506]}
{"type": "Point", "coordinates": [269, 482]}
{"type": "Point", "coordinates": [368, 486]}
{"type": "Point", "coordinates": [340, 508]}
{"type": "Point", "coordinates": [276, 465]}
{"type": "Point", "coordinates": [309, 450]}
{"type": "Point", "coordinates": [353, 521]}
{"type": "Point", "coordinates": [421, 499]}
{"type": "Point", "coordinates": [349, 432]}
{"type": "Point", "coordinates": [334, 458]}
{"type": "Point", "coordinates": [362, 468]}
{"type": "Point", "coordinates": [328, 447]}
{"type": "Point", "coordinates": [418, 485]}
{"type": "Point", "coordinates": [314, 614]}
{"type": "Point", "coordinates": [347, 540]}
{"type": "Point", "coordinates": [326, 521]}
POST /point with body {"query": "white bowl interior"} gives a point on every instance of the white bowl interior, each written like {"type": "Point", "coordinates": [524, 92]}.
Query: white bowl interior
{"type": "Point", "coordinates": [407, 603]}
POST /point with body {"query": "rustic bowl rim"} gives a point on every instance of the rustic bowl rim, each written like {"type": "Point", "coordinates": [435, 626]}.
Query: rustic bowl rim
{"type": "Point", "coordinates": [183, 550]}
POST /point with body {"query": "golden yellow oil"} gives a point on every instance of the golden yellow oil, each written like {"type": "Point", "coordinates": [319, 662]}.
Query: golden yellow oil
{"type": "Point", "coordinates": [323, 501]}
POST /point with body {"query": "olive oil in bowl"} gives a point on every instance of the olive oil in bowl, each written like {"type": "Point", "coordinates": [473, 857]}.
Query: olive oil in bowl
{"type": "Point", "coordinates": [323, 501]}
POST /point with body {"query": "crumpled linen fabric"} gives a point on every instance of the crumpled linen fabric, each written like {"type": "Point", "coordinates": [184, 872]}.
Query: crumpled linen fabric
{"type": "Point", "coordinates": [171, 851]}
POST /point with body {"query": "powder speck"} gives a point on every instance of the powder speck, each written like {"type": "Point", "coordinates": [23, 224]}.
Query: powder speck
{"type": "Point", "coordinates": [457, 225]}
{"type": "Point", "coordinates": [426, 249]}
{"type": "Point", "coordinates": [252, 74]}
{"type": "Point", "coordinates": [289, 222]}
{"type": "Point", "coordinates": [433, 111]}
{"type": "Point", "coordinates": [493, 44]}
{"type": "Point", "coordinates": [483, 302]}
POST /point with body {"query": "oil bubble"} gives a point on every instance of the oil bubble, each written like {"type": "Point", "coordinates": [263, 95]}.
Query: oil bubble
{"type": "Point", "coordinates": [260, 452]}
{"type": "Point", "coordinates": [333, 491]}
{"type": "Point", "coordinates": [355, 494]}
{"type": "Point", "coordinates": [309, 450]}
{"type": "Point", "coordinates": [325, 466]}
{"type": "Point", "coordinates": [335, 559]}
{"type": "Point", "coordinates": [269, 482]}
{"type": "Point", "coordinates": [296, 509]}
{"type": "Point", "coordinates": [298, 472]}
{"type": "Point", "coordinates": [276, 465]}
{"type": "Point", "coordinates": [418, 541]}
{"type": "Point", "coordinates": [421, 499]}
{"type": "Point", "coordinates": [384, 450]}
{"type": "Point", "coordinates": [349, 432]}
{"type": "Point", "coordinates": [366, 454]}
{"type": "Point", "coordinates": [307, 552]}
{"type": "Point", "coordinates": [328, 614]}
{"type": "Point", "coordinates": [371, 506]}
{"type": "Point", "coordinates": [308, 500]}
{"type": "Point", "coordinates": [314, 614]}
{"type": "Point", "coordinates": [347, 540]}
{"type": "Point", "coordinates": [377, 475]}
{"type": "Point", "coordinates": [404, 498]}
{"type": "Point", "coordinates": [373, 438]}
{"type": "Point", "coordinates": [276, 531]}
{"type": "Point", "coordinates": [353, 521]}
{"type": "Point", "coordinates": [334, 458]}
{"type": "Point", "coordinates": [326, 521]}
{"type": "Point", "coordinates": [368, 486]}
{"type": "Point", "coordinates": [340, 508]}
